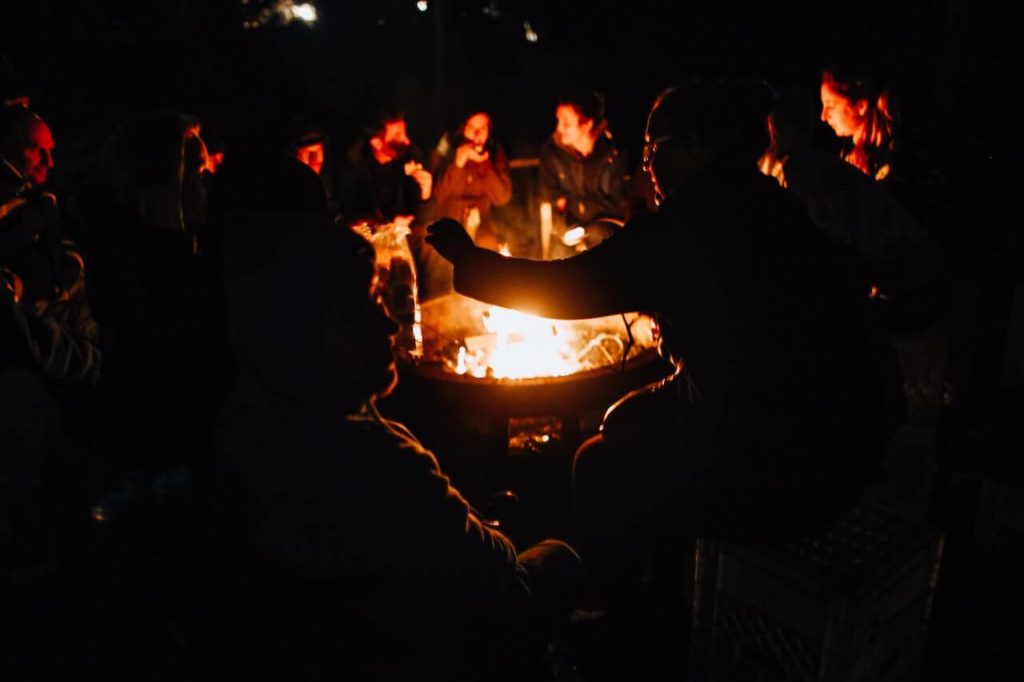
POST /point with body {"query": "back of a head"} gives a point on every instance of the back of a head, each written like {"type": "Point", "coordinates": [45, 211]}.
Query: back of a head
{"type": "Point", "coordinates": [261, 182]}
{"type": "Point", "coordinates": [793, 118]}
{"type": "Point", "coordinates": [730, 119]}
{"type": "Point", "coordinates": [285, 265]}
{"type": "Point", "coordinates": [302, 132]}
{"type": "Point", "coordinates": [146, 149]}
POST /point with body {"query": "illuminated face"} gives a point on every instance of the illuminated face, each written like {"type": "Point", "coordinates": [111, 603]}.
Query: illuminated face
{"type": "Point", "coordinates": [393, 142]}
{"type": "Point", "coordinates": [359, 345]}
{"type": "Point", "coordinates": [572, 129]}
{"type": "Point", "coordinates": [312, 155]}
{"type": "Point", "coordinates": [477, 129]}
{"type": "Point", "coordinates": [37, 155]}
{"type": "Point", "coordinates": [843, 115]}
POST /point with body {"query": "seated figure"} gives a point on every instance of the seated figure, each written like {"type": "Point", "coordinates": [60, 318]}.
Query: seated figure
{"type": "Point", "coordinates": [313, 480]}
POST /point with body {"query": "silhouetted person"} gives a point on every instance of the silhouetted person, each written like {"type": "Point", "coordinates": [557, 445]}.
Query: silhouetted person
{"type": "Point", "coordinates": [776, 417]}
{"type": "Point", "coordinates": [319, 484]}
{"type": "Point", "coordinates": [901, 259]}
{"type": "Point", "coordinates": [155, 299]}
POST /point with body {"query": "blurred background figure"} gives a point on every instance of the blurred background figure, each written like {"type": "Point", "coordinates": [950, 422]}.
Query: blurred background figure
{"type": "Point", "coordinates": [902, 260]}
{"type": "Point", "coordinates": [472, 177]}
{"type": "Point", "coordinates": [384, 178]}
{"type": "Point", "coordinates": [859, 111]}
{"type": "Point", "coordinates": [582, 172]}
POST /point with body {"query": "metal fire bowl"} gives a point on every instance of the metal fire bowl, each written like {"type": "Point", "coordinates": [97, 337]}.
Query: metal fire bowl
{"type": "Point", "coordinates": [431, 386]}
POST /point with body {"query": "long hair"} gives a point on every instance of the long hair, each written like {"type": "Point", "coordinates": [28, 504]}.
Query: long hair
{"type": "Point", "coordinates": [869, 150]}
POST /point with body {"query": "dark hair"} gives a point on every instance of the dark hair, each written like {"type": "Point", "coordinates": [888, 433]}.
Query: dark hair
{"type": "Point", "coordinates": [301, 133]}
{"type": "Point", "coordinates": [730, 118]}
{"type": "Point", "coordinates": [379, 122]}
{"type": "Point", "coordinates": [262, 183]}
{"type": "Point", "coordinates": [146, 149]}
{"type": "Point", "coordinates": [589, 104]}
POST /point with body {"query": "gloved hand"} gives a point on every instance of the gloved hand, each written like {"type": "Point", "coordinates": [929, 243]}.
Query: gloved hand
{"type": "Point", "coordinates": [450, 239]}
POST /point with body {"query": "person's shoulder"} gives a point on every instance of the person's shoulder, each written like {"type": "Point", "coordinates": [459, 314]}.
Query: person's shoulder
{"type": "Point", "coordinates": [385, 436]}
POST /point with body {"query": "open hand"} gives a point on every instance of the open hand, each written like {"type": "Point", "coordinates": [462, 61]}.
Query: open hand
{"type": "Point", "coordinates": [450, 239]}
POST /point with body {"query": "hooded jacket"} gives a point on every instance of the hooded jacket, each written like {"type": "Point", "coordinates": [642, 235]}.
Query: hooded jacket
{"type": "Point", "coordinates": [319, 484]}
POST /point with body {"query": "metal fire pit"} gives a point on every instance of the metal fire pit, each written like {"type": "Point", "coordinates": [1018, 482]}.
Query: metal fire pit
{"type": "Point", "coordinates": [520, 434]}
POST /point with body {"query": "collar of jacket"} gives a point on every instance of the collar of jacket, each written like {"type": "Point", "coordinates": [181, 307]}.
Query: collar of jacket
{"type": "Point", "coordinates": [604, 145]}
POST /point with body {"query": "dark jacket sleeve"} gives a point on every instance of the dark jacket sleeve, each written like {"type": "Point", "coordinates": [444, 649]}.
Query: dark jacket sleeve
{"type": "Point", "coordinates": [440, 534]}
{"type": "Point", "coordinates": [61, 341]}
{"type": "Point", "coordinates": [617, 276]}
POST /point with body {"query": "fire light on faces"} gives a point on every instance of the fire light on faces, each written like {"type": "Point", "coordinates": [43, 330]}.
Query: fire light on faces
{"type": "Point", "coordinates": [422, 5]}
{"type": "Point", "coordinates": [531, 35]}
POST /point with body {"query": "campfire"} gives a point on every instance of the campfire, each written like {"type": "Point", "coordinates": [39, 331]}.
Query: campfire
{"type": "Point", "coordinates": [473, 339]}
{"type": "Point", "coordinates": [455, 336]}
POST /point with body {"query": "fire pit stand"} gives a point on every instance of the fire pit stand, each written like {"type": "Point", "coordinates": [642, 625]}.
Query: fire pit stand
{"type": "Point", "coordinates": [491, 435]}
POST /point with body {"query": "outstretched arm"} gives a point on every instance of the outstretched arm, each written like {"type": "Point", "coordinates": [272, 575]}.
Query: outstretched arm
{"type": "Point", "coordinates": [603, 281]}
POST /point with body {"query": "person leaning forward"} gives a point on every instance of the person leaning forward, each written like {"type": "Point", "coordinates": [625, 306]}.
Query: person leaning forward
{"type": "Point", "coordinates": [785, 390]}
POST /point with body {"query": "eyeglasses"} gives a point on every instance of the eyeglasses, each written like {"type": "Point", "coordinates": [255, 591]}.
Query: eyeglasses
{"type": "Point", "coordinates": [650, 147]}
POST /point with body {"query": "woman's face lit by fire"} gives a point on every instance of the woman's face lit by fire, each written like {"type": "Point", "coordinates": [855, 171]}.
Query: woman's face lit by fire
{"type": "Point", "coordinates": [572, 129]}
{"type": "Point", "coordinates": [477, 129]}
{"type": "Point", "coordinates": [844, 115]}
{"type": "Point", "coordinates": [358, 342]}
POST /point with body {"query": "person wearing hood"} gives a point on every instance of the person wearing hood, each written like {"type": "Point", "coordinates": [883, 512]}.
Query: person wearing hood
{"type": "Point", "coordinates": [312, 478]}
{"type": "Point", "coordinates": [582, 172]}
{"type": "Point", "coordinates": [156, 300]}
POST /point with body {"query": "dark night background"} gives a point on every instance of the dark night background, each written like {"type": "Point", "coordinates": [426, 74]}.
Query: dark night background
{"type": "Point", "coordinates": [955, 67]}
{"type": "Point", "coordinates": [954, 64]}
